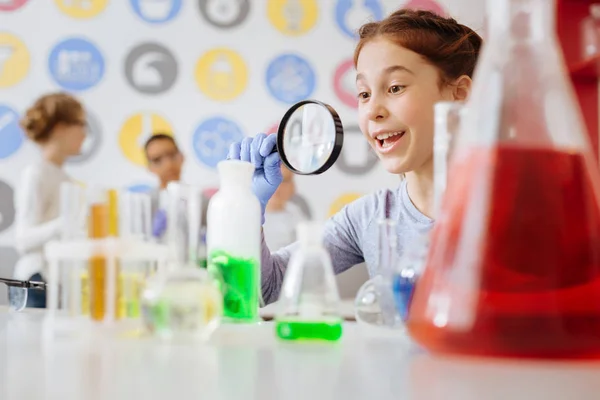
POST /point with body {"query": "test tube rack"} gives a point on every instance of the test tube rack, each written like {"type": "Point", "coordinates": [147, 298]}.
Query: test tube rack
{"type": "Point", "coordinates": [67, 257]}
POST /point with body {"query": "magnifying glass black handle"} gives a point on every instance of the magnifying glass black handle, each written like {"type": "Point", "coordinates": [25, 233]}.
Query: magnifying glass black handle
{"type": "Point", "coordinates": [24, 284]}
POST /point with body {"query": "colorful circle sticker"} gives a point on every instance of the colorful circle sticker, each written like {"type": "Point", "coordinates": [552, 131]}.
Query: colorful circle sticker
{"type": "Point", "coordinates": [76, 64]}
{"type": "Point", "coordinates": [11, 135]}
{"type": "Point", "coordinates": [7, 207]}
{"type": "Point", "coordinates": [427, 5]}
{"type": "Point", "coordinates": [12, 5]}
{"type": "Point", "coordinates": [81, 9]}
{"type": "Point", "coordinates": [151, 68]}
{"type": "Point", "coordinates": [300, 202]}
{"type": "Point", "coordinates": [342, 201]}
{"type": "Point", "coordinates": [344, 84]}
{"type": "Point", "coordinates": [212, 139]}
{"type": "Point", "coordinates": [14, 60]}
{"type": "Point", "coordinates": [140, 188]}
{"type": "Point", "coordinates": [156, 11]}
{"type": "Point", "coordinates": [136, 130]}
{"type": "Point", "coordinates": [293, 17]}
{"type": "Point", "coordinates": [221, 74]}
{"type": "Point", "coordinates": [290, 78]}
{"type": "Point", "coordinates": [353, 160]}
{"type": "Point", "coordinates": [352, 14]}
{"type": "Point", "coordinates": [224, 13]}
{"type": "Point", "coordinates": [92, 141]}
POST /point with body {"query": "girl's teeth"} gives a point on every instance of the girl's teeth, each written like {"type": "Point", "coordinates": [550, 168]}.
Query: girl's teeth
{"type": "Point", "coordinates": [384, 136]}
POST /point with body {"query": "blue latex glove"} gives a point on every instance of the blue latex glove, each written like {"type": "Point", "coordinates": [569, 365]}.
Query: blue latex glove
{"type": "Point", "coordinates": [267, 166]}
{"type": "Point", "coordinates": [159, 223]}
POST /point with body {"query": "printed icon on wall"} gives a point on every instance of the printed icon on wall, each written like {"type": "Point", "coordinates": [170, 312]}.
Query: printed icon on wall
{"type": "Point", "coordinates": [11, 5]}
{"type": "Point", "coordinates": [342, 201]}
{"type": "Point", "coordinates": [92, 142]}
{"type": "Point", "coordinates": [344, 84]}
{"type": "Point", "coordinates": [136, 130]}
{"type": "Point", "coordinates": [81, 9]}
{"type": "Point", "coordinates": [76, 64]}
{"type": "Point", "coordinates": [427, 5]}
{"type": "Point", "coordinates": [212, 139]}
{"type": "Point", "coordinates": [290, 78]}
{"type": "Point", "coordinates": [7, 206]}
{"type": "Point", "coordinates": [293, 17]}
{"type": "Point", "coordinates": [14, 60]}
{"type": "Point", "coordinates": [140, 188]}
{"type": "Point", "coordinates": [221, 74]}
{"type": "Point", "coordinates": [224, 13]}
{"type": "Point", "coordinates": [11, 135]}
{"type": "Point", "coordinates": [151, 68]}
{"type": "Point", "coordinates": [156, 11]}
{"type": "Point", "coordinates": [351, 14]}
{"type": "Point", "coordinates": [300, 202]}
{"type": "Point", "coordinates": [352, 160]}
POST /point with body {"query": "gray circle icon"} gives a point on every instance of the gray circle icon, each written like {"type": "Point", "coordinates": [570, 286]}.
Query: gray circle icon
{"type": "Point", "coordinates": [302, 204]}
{"type": "Point", "coordinates": [224, 13]}
{"type": "Point", "coordinates": [151, 68]}
{"type": "Point", "coordinates": [7, 206]}
{"type": "Point", "coordinates": [347, 160]}
{"type": "Point", "coordinates": [92, 141]}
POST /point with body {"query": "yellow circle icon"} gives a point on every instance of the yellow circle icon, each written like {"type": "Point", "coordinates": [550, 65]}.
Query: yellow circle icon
{"type": "Point", "coordinates": [221, 74]}
{"type": "Point", "coordinates": [293, 17]}
{"type": "Point", "coordinates": [14, 60]}
{"type": "Point", "coordinates": [81, 9]}
{"type": "Point", "coordinates": [136, 130]}
{"type": "Point", "coordinates": [342, 201]}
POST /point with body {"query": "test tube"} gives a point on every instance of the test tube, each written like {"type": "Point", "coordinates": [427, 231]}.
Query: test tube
{"type": "Point", "coordinates": [72, 274]}
{"type": "Point", "coordinates": [184, 223]}
{"type": "Point", "coordinates": [98, 228]}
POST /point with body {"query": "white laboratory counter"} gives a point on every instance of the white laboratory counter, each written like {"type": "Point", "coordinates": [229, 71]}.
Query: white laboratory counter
{"type": "Point", "coordinates": [247, 363]}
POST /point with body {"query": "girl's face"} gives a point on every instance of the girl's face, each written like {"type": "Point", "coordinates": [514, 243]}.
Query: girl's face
{"type": "Point", "coordinates": [71, 136]}
{"type": "Point", "coordinates": [397, 90]}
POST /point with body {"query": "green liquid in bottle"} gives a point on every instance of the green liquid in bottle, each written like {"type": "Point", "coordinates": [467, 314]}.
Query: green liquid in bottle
{"type": "Point", "coordinates": [240, 285]}
{"type": "Point", "coordinates": [307, 330]}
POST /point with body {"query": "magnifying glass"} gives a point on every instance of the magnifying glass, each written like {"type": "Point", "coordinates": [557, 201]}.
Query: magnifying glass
{"type": "Point", "coordinates": [310, 137]}
{"type": "Point", "coordinates": [17, 291]}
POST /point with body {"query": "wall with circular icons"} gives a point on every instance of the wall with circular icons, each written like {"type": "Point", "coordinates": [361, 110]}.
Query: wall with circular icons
{"type": "Point", "coordinates": [207, 72]}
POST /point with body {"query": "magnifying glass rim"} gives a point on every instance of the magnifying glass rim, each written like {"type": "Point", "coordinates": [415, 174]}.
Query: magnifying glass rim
{"type": "Point", "coordinates": [337, 145]}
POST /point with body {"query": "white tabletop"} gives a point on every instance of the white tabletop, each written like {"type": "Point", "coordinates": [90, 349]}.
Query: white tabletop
{"type": "Point", "coordinates": [245, 363]}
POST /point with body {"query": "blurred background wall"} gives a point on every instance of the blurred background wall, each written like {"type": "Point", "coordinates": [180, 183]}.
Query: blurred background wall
{"type": "Point", "coordinates": [209, 71]}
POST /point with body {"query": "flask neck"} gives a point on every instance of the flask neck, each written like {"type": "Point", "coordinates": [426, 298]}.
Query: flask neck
{"type": "Point", "coordinates": [521, 21]}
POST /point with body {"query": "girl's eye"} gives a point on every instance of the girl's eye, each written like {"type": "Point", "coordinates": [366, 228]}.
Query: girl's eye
{"type": "Point", "coordinates": [363, 95]}
{"type": "Point", "coordinates": [396, 89]}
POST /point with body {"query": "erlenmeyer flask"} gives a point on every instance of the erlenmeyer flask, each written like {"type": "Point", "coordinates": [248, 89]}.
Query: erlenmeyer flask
{"type": "Point", "coordinates": [309, 299]}
{"type": "Point", "coordinates": [514, 261]}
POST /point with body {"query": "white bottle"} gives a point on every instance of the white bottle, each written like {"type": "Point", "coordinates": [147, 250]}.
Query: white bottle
{"type": "Point", "coordinates": [233, 241]}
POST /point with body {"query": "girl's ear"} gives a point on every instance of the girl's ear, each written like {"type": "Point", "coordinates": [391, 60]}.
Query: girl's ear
{"type": "Point", "coordinates": [462, 88]}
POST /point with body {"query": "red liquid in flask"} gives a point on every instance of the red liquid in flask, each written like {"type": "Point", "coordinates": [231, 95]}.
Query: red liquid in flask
{"type": "Point", "coordinates": [529, 285]}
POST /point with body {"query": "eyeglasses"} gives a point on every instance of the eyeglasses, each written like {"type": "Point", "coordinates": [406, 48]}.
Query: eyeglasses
{"type": "Point", "coordinates": [17, 292]}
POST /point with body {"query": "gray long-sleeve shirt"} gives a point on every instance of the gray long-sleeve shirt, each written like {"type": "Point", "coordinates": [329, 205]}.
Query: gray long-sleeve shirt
{"type": "Point", "coordinates": [351, 236]}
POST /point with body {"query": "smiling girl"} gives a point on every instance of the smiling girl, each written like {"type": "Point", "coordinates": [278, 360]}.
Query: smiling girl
{"type": "Point", "coordinates": [404, 65]}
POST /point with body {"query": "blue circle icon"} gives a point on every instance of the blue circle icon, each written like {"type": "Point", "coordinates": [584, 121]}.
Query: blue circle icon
{"type": "Point", "coordinates": [212, 139]}
{"type": "Point", "coordinates": [350, 15]}
{"type": "Point", "coordinates": [156, 11]}
{"type": "Point", "coordinates": [11, 135]}
{"type": "Point", "coordinates": [140, 188]}
{"type": "Point", "coordinates": [290, 78]}
{"type": "Point", "coordinates": [76, 64]}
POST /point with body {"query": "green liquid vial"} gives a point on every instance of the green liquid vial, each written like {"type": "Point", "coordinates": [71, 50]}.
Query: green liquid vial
{"type": "Point", "coordinates": [308, 330]}
{"type": "Point", "coordinates": [240, 285]}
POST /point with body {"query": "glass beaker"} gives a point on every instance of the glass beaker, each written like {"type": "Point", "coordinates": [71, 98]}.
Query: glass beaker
{"type": "Point", "coordinates": [309, 299]}
{"type": "Point", "coordinates": [514, 264]}
{"type": "Point", "coordinates": [182, 302]}
{"type": "Point", "coordinates": [374, 303]}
